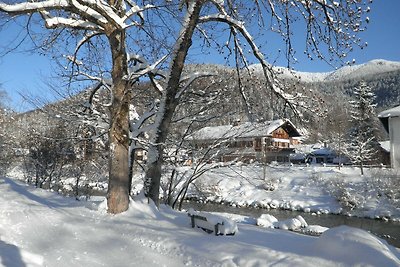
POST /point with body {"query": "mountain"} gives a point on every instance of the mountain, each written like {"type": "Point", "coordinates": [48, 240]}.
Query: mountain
{"type": "Point", "coordinates": [371, 68]}
{"type": "Point", "coordinates": [381, 75]}
{"type": "Point", "coordinates": [368, 69]}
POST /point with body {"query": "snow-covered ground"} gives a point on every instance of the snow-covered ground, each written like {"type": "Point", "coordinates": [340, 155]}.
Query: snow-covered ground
{"type": "Point", "coordinates": [315, 189]}
{"type": "Point", "coordinates": [40, 228]}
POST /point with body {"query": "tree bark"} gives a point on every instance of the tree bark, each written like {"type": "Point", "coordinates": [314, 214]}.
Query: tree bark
{"type": "Point", "coordinates": [119, 182]}
{"type": "Point", "coordinates": [164, 117]}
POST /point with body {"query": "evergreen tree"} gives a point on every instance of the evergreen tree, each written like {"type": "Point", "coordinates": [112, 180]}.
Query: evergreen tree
{"type": "Point", "coordinates": [363, 143]}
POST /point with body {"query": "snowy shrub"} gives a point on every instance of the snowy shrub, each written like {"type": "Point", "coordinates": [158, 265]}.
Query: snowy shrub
{"type": "Point", "coordinates": [209, 187]}
{"type": "Point", "coordinates": [386, 183]}
{"type": "Point", "coordinates": [380, 184]}
{"type": "Point", "coordinates": [350, 195]}
{"type": "Point", "coordinates": [271, 184]}
{"type": "Point", "coordinates": [350, 198]}
{"type": "Point", "coordinates": [316, 177]}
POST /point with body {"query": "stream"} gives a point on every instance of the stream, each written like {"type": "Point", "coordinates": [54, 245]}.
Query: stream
{"type": "Point", "coordinates": [388, 230]}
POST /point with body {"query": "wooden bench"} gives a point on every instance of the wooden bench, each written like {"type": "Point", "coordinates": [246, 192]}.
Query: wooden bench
{"type": "Point", "coordinates": [216, 225]}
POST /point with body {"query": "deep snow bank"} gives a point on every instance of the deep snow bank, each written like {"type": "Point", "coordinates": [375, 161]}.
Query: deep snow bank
{"type": "Point", "coordinates": [39, 228]}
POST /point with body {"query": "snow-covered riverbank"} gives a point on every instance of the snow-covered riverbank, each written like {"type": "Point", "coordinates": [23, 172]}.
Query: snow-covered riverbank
{"type": "Point", "coordinates": [314, 189]}
{"type": "Point", "coordinates": [40, 228]}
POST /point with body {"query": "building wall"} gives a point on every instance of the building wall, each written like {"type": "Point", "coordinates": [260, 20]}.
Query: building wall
{"type": "Point", "coordinates": [280, 133]}
{"type": "Point", "coordinates": [274, 147]}
{"type": "Point", "coordinates": [394, 133]}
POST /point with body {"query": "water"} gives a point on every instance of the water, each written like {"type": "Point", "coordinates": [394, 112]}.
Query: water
{"type": "Point", "coordinates": [389, 231]}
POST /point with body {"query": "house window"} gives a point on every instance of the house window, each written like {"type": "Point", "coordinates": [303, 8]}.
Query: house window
{"type": "Point", "coordinates": [258, 143]}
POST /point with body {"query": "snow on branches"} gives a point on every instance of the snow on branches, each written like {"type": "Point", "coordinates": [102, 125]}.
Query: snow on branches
{"type": "Point", "coordinates": [83, 14]}
{"type": "Point", "coordinates": [363, 118]}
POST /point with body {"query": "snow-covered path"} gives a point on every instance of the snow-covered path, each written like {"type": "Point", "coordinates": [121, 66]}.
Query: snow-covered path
{"type": "Point", "coordinates": [64, 233]}
{"type": "Point", "coordinates": [40, 228]}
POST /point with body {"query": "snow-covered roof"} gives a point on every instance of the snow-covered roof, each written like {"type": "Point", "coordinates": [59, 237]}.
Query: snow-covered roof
{"type": "Point", "coordinates": [385, 145]}
{"type": "Point", "coordinates": [244, 130]}
{"type": "Point", "coordinates": [393, 112]}
{"type": "Point", "coordinates": [325, 151]}
{"type": "Point", "coordinates": [390, 113]}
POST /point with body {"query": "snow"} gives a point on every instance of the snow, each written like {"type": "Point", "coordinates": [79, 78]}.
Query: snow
{"type": "Point", "coordinates": [289, 224]}
{"type": "Point", "coordinates": [40, 228]}
{"type": "Point", "coordinates": [246, 129]}
{"type": "Point", "coordinates": [13, 256]}
{"type": "Point", "coordinates": [97, 13]}
{"type": "Point", "coordinates": [308, 188]}
{"type": "Point", "coordinates": [293, 224]}
{"type": "Point", "coordinates": [266, 220]}
{"type": "Point", "coordinates": [227, 226]}
{"type": "Point", "coordinates": [393, 112]}
{"type": "Point", "coordinates": [385, 145]}
{"type": "Point", "coordinates": [314, 229]}
{"type": "Point", "coordinates": [372, 67]}
{"type": "Point", "coordinates": [355, 247]}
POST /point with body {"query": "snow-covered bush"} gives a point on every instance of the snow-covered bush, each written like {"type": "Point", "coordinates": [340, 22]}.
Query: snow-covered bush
{"type": "Point", "coordinates": [271, 184]}
{"type": "Point", "coordinates": [347, 193]}
{"type": "Point", "coordinates": [349, 197]}
{"type": "Point", "coordinates": [380, 184]}
{"type": "Point", "coordinates": [386, 183]}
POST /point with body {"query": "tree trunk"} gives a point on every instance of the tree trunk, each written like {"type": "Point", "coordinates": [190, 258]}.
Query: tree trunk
{"type": "Point", "coordinates": [171, 188]}
{"type": "Point", "coordinates": [118, 185]}
{"type": "Point", "coordinates": [131, 164]}
{"type": "Point", "coordinates": [167, 109]}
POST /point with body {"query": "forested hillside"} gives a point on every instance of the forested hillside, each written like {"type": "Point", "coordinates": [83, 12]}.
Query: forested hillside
{"type": "Point", "coordinates": [323, 97]}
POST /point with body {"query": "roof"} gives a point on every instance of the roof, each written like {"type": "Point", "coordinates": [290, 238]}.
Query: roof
{"type": "Point", "coordinates": [385, 145]}
{"type": "Point", "coordinates": [390, 113]}
{"type": "Point", "coordinates": [393, 112]}
{"type": "Point", "coordinates": [325, 151]}
{"type": "Point", "coordinates": [244, 130]}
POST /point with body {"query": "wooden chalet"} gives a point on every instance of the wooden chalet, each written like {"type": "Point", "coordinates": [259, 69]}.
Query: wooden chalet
{"type": "Point", "coordinates": [263, 142]}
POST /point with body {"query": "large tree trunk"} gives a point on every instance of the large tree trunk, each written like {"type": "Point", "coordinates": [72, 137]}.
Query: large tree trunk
{"type": "Point", "coordinates": [118, 186]}
{"type": "Point", "coordinates": [169, 102]}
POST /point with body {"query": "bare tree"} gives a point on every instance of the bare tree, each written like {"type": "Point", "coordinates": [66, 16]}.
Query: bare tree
{"type": "Point", "coordinates": [89, 20]}
{"type": "Point", "coordinates": [327, 22]}
{"type": "Point", "coordinates": [122, 33]}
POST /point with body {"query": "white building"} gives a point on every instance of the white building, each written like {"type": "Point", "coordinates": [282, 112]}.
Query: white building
{"type": "Point", "coordinates": [391, 121]}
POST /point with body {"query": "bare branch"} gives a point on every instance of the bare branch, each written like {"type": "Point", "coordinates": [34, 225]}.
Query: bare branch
{"type": "Point", "coordinates": [189, 80]}
{"type": "Point", "coordinates": [267, 69]}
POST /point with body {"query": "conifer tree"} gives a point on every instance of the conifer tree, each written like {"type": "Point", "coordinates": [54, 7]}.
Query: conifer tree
{"type": "Point", "coordinates": [362, 147]}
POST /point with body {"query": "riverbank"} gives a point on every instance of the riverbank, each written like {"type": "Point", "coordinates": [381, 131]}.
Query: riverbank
{"type": "Point", "coordinates": [310, 189]}
{"type": "Point", "coordinates": [387, 230]}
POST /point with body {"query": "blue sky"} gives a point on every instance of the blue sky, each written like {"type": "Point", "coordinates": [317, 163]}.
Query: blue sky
{"type": "Point", "coordinates": [22, 72]}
